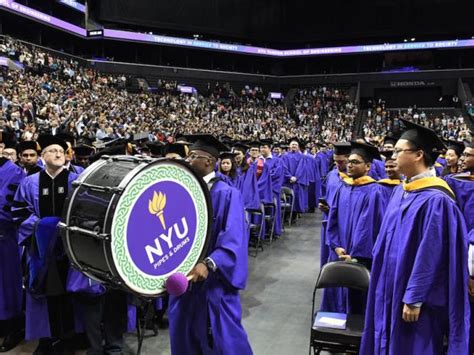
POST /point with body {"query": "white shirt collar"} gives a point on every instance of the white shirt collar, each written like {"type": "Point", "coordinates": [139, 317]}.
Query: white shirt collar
{"type": "Point", "coordinates": [269, 157]}
{"type": "Point", "coordinates": [209, 177]}
{"type": "Point", "coordinates": [60, 171]}
{"type": "Point", "coordinates": [431, 172]}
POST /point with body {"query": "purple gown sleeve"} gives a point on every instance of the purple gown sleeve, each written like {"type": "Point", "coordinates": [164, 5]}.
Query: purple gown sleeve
{"type": "Point", "coordinates": [443, 238]}
{"type": "Point", "coordinates": [231, 249]}
{"type": "Point", "coordinates": [332, 230]}
{"type": "Point", "coordinates": [24, 208]}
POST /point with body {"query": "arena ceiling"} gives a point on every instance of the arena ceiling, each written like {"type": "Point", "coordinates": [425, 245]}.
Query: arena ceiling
{"type": "Point", "coordinates": [294, 23]}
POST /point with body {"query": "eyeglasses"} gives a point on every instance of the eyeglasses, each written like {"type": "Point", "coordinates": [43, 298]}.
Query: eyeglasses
{"type": "Point", "coordinates": [55, 151]}
{"type": "Point", "coordinates": [355, 162]}
{"type": "Point", "coordinates": [194, 156]}
{"type": "Point", "coordinates": [398, 151]}
{"type": "Point", "coordinates": [6, 154]}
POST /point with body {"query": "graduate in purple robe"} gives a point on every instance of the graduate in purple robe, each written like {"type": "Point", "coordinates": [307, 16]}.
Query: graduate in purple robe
{"type": "Point", "coordinates": [323, 158]}
{"type": "Point", "coordinates": [296, 175]}
{"type": "Point", "coordinates": [276, 174]}
{"type": "Point", "coordinates": [28, 153]}
{"type": "Point", "coordinates": [393, 175]}
{"type": "Point", "coordinates": [418, 292]}
{"type": "Point", "coordinates": [353, 224]}
{"type": "Point", "coordinates": [37, 207]}
{"type": "Point", "coordinates": [332, 183]}
{"type": "Point", "coordinates": [453, 158]}
{"type": "Point", "coordinates": [10, 268]}
{"type": "Point", "coordinates": [245, 182]}
{"type": "Point", "coordinates": [314, 188]}
{"type": "Point", "coordinates": [207, 319]}
{"type": "Point", "coordinates": [261, 172]}
{"type": "Point", "coordinates": [463, 186]}
{"type": "Point", "coordinates": [70, 154]}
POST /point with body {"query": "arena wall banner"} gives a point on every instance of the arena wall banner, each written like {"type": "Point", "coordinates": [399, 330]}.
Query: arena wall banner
{"type": "Point", "coordinates": [26, 11]}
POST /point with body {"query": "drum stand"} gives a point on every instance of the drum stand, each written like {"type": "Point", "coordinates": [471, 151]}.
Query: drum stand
{"type": "Point", "coordinates": [144, 314]}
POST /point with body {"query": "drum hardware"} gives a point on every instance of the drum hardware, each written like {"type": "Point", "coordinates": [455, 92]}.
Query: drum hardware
{"type": "Point", "coordinates": [98, 188]}
{"type": "Point", "coordinates": [93, 234]}
{"type": "Point", "coordinates": [132, 158]}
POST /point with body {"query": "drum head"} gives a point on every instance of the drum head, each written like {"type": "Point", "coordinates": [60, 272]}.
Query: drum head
{"type": "Point", "coordinates": [161, 226]}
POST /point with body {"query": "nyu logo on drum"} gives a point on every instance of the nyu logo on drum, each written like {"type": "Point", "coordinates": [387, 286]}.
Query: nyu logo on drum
{"type": "Point", "coordinates": [160, 226]}
{"type": "Point", "coordinates": [156, 207]}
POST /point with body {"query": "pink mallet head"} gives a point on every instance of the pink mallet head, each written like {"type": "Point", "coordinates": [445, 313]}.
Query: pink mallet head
{"type": "Point", "coordinates": [177, 284]}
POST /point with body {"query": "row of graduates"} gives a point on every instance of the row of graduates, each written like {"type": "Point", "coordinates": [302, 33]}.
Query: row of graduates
{"type": "Point", "coordinates": [57, 301]}
{"type": "Point", "coordinates": [412, 230]}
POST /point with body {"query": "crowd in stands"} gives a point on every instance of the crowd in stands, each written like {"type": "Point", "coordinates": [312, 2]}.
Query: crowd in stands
{"type": "Point", "coordinates": [328, 114]}
{"type": "Point", "coordinates": [449, 125]}
{"type": "Point", "coordinates": [57, 93]}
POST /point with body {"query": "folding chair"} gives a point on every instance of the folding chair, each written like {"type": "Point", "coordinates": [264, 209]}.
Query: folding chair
{"type": "Point", "coordinates": [340, 274]}
{"type": "Point", "coordinates": [270, 218]}
{"type": "Point", "coordinates": [290, 202]}
{"type": "Point", "coordinates": [256, 229]}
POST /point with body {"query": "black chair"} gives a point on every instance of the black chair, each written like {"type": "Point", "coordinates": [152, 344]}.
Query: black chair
{"type": "Point", "coordinates": [288, 204]}
{"type": "Point", "coordinates": [270, 219]}
{"type": "Point", "coordinates": [256, 229]}
{"type": "Point", "coordinates": [340, 274]}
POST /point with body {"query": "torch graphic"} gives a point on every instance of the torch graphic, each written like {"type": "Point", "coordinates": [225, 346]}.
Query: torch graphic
{"type": "Point", "coordinates": [157, 205]}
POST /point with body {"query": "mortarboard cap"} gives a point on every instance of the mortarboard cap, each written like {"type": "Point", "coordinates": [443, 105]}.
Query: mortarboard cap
{"type": "Point", "coordinates": [390, 139]}
{"type": "Point", "coordinates": [365, 150]}
{"type": "Point", "coordinates": [25, 145]}
{"type": "Point", "coordinates": [175, 148]}
{"type": "Point", "coordinates": [67, 138]}
{"type": "Point", "coordinates": [8, 139]}
{"type": "Point", "coordinates": [240, 147]}
{"type": "Point", "coordinates": [295, 139]}
{"type": "Point", "coordinates": [45, 140]}
{"type": "Point", "coordinates": [255, 144]}
{"type": "Point", "coordinates": [423, 138]}
{"type": "Point", "coordinates": [227, 155]}
{"type": "Point", "coordinates": [207, 143]}
{"type": "Point", "coordinates": [267, 142]}
{"type": "Point", "coordinates": [388, 154]}
{"type": "Point", "coordinates": [342, 148]}
{"type": "Point", "coordinates": [156, 148]}
{"type": "Point", "coordinates": [84, 150]}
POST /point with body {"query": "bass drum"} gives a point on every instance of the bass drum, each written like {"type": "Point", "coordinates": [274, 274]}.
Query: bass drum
{"type": "Point", "coordinates": [131, 222]}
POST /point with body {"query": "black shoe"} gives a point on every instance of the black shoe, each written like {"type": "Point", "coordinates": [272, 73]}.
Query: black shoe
{"type": "Point", "coordinates": [12, 340]}
{"type": "Point", "coordinates": [44, 347]}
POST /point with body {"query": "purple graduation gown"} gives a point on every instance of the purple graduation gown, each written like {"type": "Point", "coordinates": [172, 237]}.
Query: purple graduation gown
{"type": "Point", "coordinates": [294, 164]}
{"type": "Point", "coordinates": [26, 211]}
{"type": "Point", "coordinates": [463, 187]}
{"type": "Point", "coordinates": [216, 301]}
{"type": "Point", "coordinates": [420, 257]}
{"type": "Point", "coordinates": [10, 268]}
{"type": "Point", "coordinates": [387, 186]}
{"type": "Point", "coordinates": [324, 161]}
{"type": "Point", "coordinates": [377, 170]}
{"type": "Point", "coordinates": [276, 174]}
{"type": "Point", "coordinates": [332, 183]}
{"type": "Point", "coordinates": [246, 183]}
{"type": "Point", "coordinates": [353, 224]}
